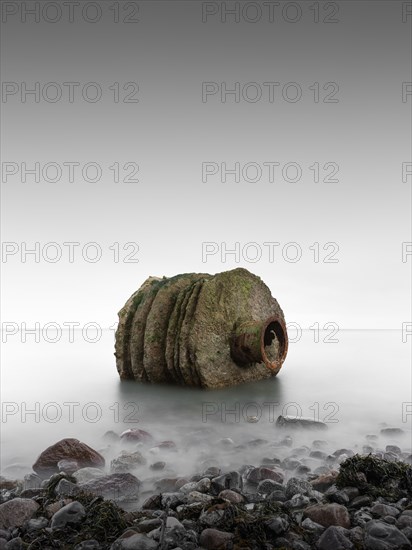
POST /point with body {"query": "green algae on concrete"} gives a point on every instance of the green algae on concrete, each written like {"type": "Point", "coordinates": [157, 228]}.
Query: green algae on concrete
{"type": "Point", "coordinates": [201, 330]}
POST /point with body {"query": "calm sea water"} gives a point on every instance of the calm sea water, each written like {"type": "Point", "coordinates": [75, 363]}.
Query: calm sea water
{"type": "Point", "coordinates": [49, 391]}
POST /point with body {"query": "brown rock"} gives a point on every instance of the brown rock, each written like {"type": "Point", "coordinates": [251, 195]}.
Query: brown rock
{"type": "Point", "coordinates": [17, 511]}
{"type": "Point", "coordinates": [69, 449]}
{"type": "Point", "coordinates": [329, 514]}
{"type": "Point", "coordinates": [231, 496]}
{"type": "Point", "coordinates": [324, 481]}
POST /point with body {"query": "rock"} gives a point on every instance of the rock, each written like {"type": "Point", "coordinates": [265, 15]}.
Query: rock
{"type": "Point", "coordinates": [134, 435]}
{"type": "Point", "coordinates": [211, 472]}
{"type": "Point", "coordinates": [351, 492]}
{"type": "Point", "coordinates": [172, 499]}
{"type": "Point", "coordinates": [188, 487]}
{"type": "Point", "coordinates": [134, 542]}
{"type": "Point", "coordinates": [164, 446]}
{"type": "Point", "coordinates": [277, 525]}
{"type": "Point", "coordinates": [312, 527]}
{"type": "Point", "coordinates": [71, 514]}
{"type": "Point", "coordinates": [66, 488]}
{"type": "Point", "coordinates": [127, 462]}
{"type": "Point", "coordinates": [31, 481]}
{"type": "Point", "coordinates": [329, 514]}
{"type": "Point", "coordinates": [257, 442]}
{"type": "Point", "coordinates": [408, 533]}
{"type": "Point", "coordinates": [391, 431]}
{"type": "Point", "coordinates": [114, 486]}
{"type": "Point", "coordinates": [84, 475]}
{"type": "Point", "coordinates": [148, 525]}
{"type": "Point", "coordinates": [389, 519]}
{"type": "Point", "coordinates": [267, 486]}
{"type": "Point", "coordinates": [213, 539]}
{"type": "Point", "coordinates": [35, 524]}
{"type": "Point", "coordinates": [15, 512]}
{"type": "Point", "coordinates": [297, 502]}
{"type": "Point", "coordinates": [258, 474]}
{"type": "Point", "coordinates": [14, 544]}
{"type": "Point", "coordinates": [68, 466]}
{"type": "Point", "coordinates": [324, 481]}
{"type": "Point", "coordinates": [70, 449]}
{"type": "Point", "coordinates": [299, 422]}
{"type": "Point", "coordinates": [160, 465]}
{"type": "Point", "coordinates": [361, 518]}
{"type": "Point", "coordinates": [291, 463]}
{"type": "Point", "coordinates": [195, 496]}
{"type": "Point", "coordinates": [334, 495]}
{"type": "Point", "coordinates": [393, 449]}
{"type": "Point", "coordinates": [232, 496]}
{"type": "Point", "coordinates": [404, 521]}
{"type": "Point", "coordinates": [52, 508]}
{"type": "Point", "coordinates": [346, 452]}
{"type": "Point", "coordinates": [381, 536]}
{"type": "Point", "coordinates": [277, 496]}
{"type": "Point", "coordinates": [90, 544]}
{"type": "Point", "coordinates": [381, 510]}
{"type": "Point", "coordinates": [360, 501]}
{"type": "Point", "coordinates": [111, 437]}
{"type": "Point", "coordinates": [231, 480]}
{"type": "Point", "coordinates": [302, 470]}
{"type": "Point", "coordinates": [166, 484]}
{"type": "Point", "coordinates": [319, 455]}
{"type": "Point", "coordinates": [153, 502]}
{"type": "Point", "coordinates": [201, 486]}
{"type": "Point", "coordinates": [335, 538]}
{"type": "Point", "coordinates": [298, 486]}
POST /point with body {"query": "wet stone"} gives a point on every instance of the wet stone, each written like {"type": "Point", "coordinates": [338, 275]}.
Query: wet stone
{"type": "Point", "coordinates": [277, 496]}
{"type": "Point", "coordinates": [291, 464]}
{"type": "Point", "coordinates": [277, 525]}
{"type": "Point", "coordinates": [134, 542]}
{"type": "Point", "coordinates": [381, 510]}
{"type": "Point", "coordinates": [393, 449]}
{"type": "Point", "coordinates": [35, 524]}
{"type": "Point", "coordinates": [391, 431]}
{"type": "Point", "coordinates": [232, 496]}
{"type": "Point", "coordinates": [70, 514]}
{"type": "Point", "coordinates": [335, 538]}
{"type": "Point", "coordinates": [68, 466]}
{"type": "Point", "coordinates": [14, 544]}
{"type": "Point", "coordinates": [312, 527]}
{"type": "Point", "coordinates": [380, 535]}
{"type": "Point", "coordinates": [404, 521]}
{"type": "Point", "coordinates": [320, 455]}
{"type": "Point", "coordinates": [160, 465]}
{"type": "Point", "coordinates": [232, 480]}
{"type": "Point", "coordinates": [298, 486]}
{"type": "Point", "coordinates": [212, 539]}
{"type": "Point", "coordinates": [329, 514]}
{"type": "Point", "coordinates": [360, 501]}
{"type": "Point", "coordinates": [16, 512]}
{"type": "Point", "coordinates": [31, 481]}
{"type": "Point", "coordinates": [90, 544]}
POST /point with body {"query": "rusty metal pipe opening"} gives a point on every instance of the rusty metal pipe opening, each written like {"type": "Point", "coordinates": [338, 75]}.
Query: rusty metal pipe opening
{"type": "Point", "coordinates": [260, 342]}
